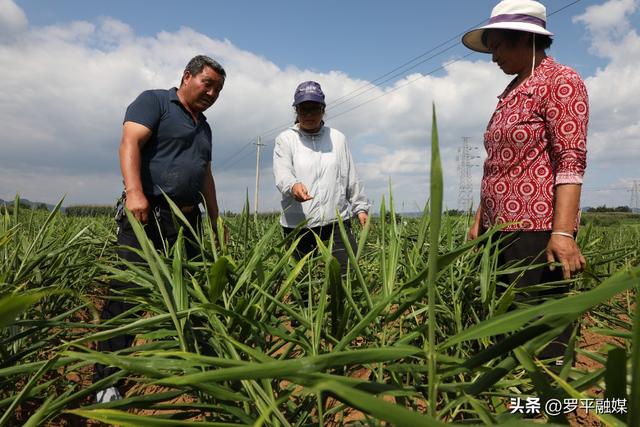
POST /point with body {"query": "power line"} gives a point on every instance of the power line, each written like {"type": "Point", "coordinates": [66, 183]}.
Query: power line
{"type": "Point", "coordinates": [282, 127]}
{"type": "Point", "coordinates": [376, 83]}
{"type": "Point", "coordinates": [384, 78]}
{"type": "Point", "coordinates": [442, 67]}
{"type": "Point", "coordinates": [379, 80]}
{"type": "Point", "coordinates": [226, 163]}
{"type": "Point", "coordinates": [392, 77]}
{"type": "Point", "coordinates": [563, 8]}
{"type": "Point", "coordinates": [373, 86]}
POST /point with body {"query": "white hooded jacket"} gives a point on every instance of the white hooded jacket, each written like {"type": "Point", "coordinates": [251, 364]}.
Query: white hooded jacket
{"type": "Point", "coordinates": [322, 162]}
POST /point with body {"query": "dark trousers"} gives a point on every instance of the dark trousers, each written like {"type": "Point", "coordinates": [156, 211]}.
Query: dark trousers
{"type": "Point", "coordinates": [308, 244]}
{"type": "Point", "coordinates": [530, 246]}
{"type": "Point", "coordinates": [308, 241]}
{"type": "Point", "coordinates": [161, 227]}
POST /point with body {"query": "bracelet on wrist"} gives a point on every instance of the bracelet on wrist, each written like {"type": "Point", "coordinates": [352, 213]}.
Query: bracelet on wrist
{"type": "Point", "coordinates": [562, 233]}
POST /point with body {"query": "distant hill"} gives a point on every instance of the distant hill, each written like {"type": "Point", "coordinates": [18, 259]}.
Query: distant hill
{"type": "Point", "coordinates": [28, 203]}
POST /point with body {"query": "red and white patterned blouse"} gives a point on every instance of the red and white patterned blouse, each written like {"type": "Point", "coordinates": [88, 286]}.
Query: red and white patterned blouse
{"type": "Point", "coordinates": [535, 140]}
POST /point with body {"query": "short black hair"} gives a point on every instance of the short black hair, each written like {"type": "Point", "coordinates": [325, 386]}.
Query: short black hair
{"type": "Point", "coordinates": [197, 64]}
{"type": "Point", "coordinates": [512, 37]}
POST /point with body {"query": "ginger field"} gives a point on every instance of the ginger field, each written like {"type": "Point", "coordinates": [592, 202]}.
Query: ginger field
{"type": "Point", "coordinates": [417, 333]}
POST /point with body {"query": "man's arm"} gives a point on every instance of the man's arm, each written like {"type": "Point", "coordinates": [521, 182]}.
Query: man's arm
{"type": "Point", "coordinates": [209, 193]}
{"type": "Point", "coordinates": [134, 136]}
{"type": "Point", "coordinates": [563, 248]}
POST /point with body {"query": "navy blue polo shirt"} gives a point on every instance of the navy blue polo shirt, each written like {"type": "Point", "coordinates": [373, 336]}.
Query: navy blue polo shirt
{"type": "Point", "coordinates": [175, 158]}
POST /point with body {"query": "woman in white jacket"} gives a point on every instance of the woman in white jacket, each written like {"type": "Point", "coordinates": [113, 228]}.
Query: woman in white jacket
{"type": "Point", "coordinates": [315, 174]}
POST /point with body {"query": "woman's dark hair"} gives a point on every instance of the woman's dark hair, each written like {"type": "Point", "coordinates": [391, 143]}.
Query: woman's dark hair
{"type": "Point", "coordinates": [512, 37]}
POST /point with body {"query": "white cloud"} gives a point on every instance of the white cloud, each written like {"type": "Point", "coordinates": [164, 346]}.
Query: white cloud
{"type": "Point", "coordinates": [62, 116]}
{"type": "Point", "coordinates": [614, 92]}
{"type": "Point", "coordinates": [608, 23]}
{"type": "Point", "coordinates": [608, 16]}
{"type": "Point", "coordinates": [13, 21]}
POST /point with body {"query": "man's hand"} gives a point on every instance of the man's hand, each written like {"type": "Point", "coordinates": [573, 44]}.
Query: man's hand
{"type": "Point", "coordinates": [300, 192]}
{"type": "Point", "coordinates": [362, 217]}
{"type": "Point", "coordinates": [565, 250]}
{"type": "Point", "coordinates": [226, 234]}
{"type": "Point", "coordinates": [138, 204]}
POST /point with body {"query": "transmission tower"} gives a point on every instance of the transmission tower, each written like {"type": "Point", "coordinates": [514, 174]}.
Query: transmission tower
{"type": "Point", "coordinates": [465, 186]}
{"type": "Point", "coordinates": [635, 196]}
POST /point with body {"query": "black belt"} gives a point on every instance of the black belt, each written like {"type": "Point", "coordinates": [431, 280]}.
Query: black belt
{"type": "Point", "coordinates": [161, 202]}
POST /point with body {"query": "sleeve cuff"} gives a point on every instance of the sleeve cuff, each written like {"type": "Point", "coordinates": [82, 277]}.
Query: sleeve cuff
{"type": "Point", "coordinates": [290, 186]}
{"type": "Point", "coordinates": [568, 178]}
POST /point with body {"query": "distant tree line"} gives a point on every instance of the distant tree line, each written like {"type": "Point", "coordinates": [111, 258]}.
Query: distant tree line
{"type": "Point", "coordinates": [89, 210]}
{"type": "Point", "coordinates": [455, 212]}
{"type": "Point", "coordinates": [604, 208]}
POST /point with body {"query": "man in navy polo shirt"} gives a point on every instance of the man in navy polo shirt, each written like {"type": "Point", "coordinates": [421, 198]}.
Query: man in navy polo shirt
{"type": "Point", "coordinates": [166, 142]}
{"type": "Point", "coordinates": [165, 147]}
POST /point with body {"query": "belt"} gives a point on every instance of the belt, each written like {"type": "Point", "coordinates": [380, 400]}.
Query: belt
{"type": "Point", "coordinates": [161, 202]}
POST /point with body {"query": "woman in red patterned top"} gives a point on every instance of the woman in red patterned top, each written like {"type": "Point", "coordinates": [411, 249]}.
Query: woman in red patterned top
{"type": "Point", "coordinates": [535, 143]}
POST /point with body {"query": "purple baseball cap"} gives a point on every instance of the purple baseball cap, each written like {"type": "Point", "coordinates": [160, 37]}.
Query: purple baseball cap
{"type": "Point", "coordinates": [308, 91]}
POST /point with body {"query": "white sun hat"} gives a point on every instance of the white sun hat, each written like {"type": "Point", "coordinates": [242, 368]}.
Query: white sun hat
{"type": "Point", "coordinates": [520, 15]}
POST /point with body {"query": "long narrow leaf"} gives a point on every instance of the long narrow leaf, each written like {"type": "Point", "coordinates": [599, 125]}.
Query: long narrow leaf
{"type": "Point", "coordinates": [434, 243]}
{"type": "Point", "coordinates": [279, 369]}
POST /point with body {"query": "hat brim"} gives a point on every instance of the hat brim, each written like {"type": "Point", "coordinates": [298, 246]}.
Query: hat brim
{"type": "Point", "coordinates": [309, 97]}
{"type": "Point", "coordinates": [473, 38]}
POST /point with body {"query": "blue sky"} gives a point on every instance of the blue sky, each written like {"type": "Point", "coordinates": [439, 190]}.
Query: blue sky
{"type": "Point", "coordinates": [363, 38]}
{"type": "Point", "coordinates": [83, 62]}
